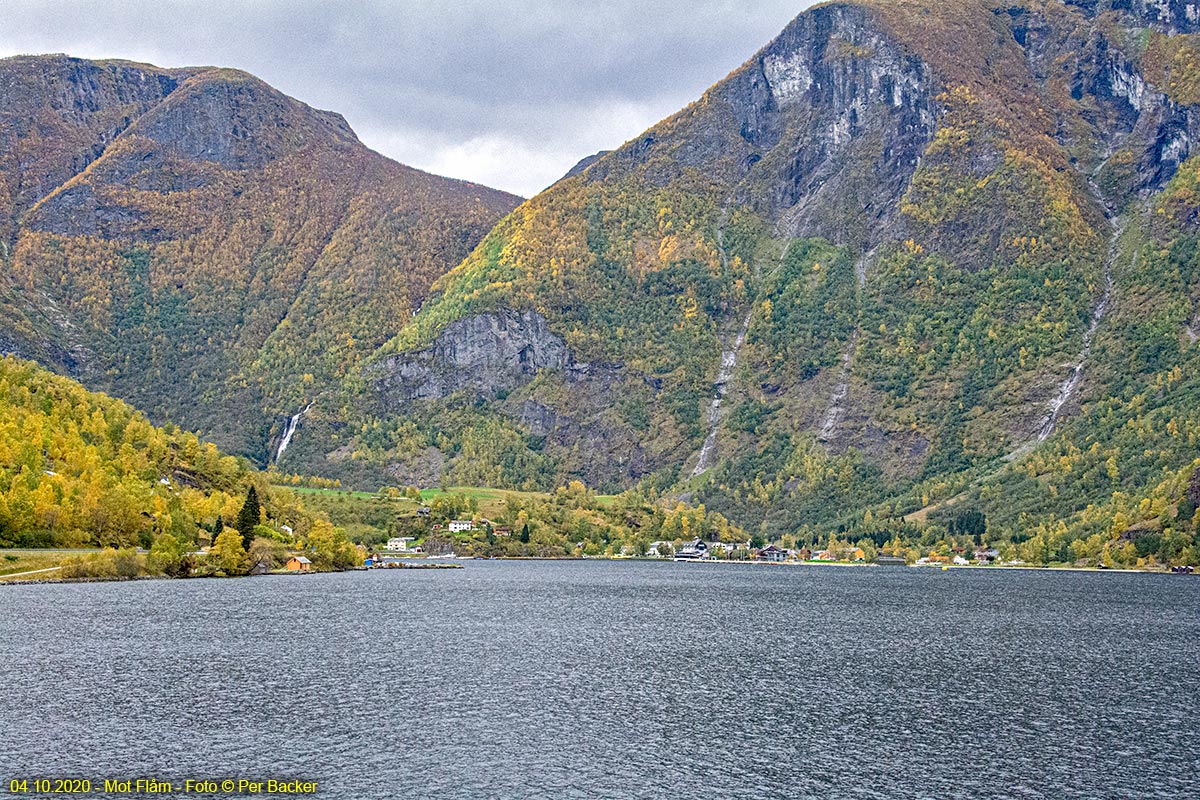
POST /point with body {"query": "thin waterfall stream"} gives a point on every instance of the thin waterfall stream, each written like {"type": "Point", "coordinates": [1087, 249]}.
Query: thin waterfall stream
{"type": "Point", "coordinates": [289, 431]}
{"type": "Point", "coordinates": [1070, 385]}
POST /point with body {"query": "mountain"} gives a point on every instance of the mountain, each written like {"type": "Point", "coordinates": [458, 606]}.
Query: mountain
{"type": "Point", "coordinates": [205, 247]}
{"type": "Point", "coordinates": [912, 257]}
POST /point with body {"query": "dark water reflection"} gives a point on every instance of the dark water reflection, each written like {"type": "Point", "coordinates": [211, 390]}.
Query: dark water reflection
{"type": "Point", "coordinates": [595, 679]}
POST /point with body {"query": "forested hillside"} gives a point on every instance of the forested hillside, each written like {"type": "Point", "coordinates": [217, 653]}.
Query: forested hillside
{"type": "Point", "coordinates": [205, 247]}
{"type": "Point", "coordinates": [79, 469]}
{"type": "Point", "coordinates": [912, 257]}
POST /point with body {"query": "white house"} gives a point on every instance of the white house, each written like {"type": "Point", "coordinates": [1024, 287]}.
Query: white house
{"type": "Point", "coordinates": [400, 544]}
{"type": "Point", "coordinates": [459, 525]}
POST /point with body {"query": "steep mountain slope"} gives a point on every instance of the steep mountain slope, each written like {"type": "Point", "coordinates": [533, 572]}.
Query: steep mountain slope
{"type": "Point", "coordinates": [200, 244]}
{"type": "Point", "coordinates": [903, 242]}
{"type": "Point", "coordinates": [79, 468]}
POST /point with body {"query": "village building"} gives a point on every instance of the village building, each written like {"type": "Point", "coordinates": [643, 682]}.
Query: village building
{"type": "Point", "coordinates": [400, 544]}
{"type": "Point", "coordinates": [299, 564]}
{"type": "Point", "coordinates": [423, 511]}
{"type": "Point", "coordinates": [653, 551]}
{"type": "Point", "coordinates": [987, 555]}
{"type": "Point", "coordinates": [460, 525]}
{"type": "Point", "coordinates": [772, 553]}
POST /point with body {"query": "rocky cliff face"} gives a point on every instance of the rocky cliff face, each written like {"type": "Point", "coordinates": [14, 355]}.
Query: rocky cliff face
{"type": "Point", "coordinates": [59, 114]}
{"type": "Point", "coordinates": [484, 354]}
{"type": "Point", "coordinates": [832, 117]}
{"type": "Point", "coordinates": [834, 99]}
{"type": "Point", "coordinates": [1170, 16]}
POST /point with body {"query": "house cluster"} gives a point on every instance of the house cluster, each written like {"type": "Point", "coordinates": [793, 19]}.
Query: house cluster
{"type": "Point", "coordinates": [958, 557]}
{"type": "Point", "coordinates": [460, 525]}
{"type": "Point", "coordinates": [698, 550]}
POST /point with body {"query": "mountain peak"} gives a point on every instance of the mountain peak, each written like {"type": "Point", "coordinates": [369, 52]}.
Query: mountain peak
{"type": "Point", "coordinates": [200, 224]}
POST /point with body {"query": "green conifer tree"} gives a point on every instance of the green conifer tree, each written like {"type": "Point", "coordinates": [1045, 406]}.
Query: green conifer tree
{"type": "Point", "coordinates": [249, 516]}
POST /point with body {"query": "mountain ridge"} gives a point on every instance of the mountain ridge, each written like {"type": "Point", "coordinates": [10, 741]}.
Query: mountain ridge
{"type": "Point", "coordinates": [196, 230]}
{"type": "Point", "coordinates": [865, 265]}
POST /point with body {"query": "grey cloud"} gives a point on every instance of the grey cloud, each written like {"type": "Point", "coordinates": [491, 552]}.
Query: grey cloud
{"type": "Point", "coordinates": [506, 93]}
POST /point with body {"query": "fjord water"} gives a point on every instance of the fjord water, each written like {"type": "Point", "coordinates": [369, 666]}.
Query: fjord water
{"type": "Point", "coordinates": [614, 680]}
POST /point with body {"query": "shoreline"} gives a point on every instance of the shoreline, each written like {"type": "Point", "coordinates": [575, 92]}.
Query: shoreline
{"type": "Point", "coordinates": [455, 566]}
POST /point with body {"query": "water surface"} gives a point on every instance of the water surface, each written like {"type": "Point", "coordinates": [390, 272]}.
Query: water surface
{"type": "Point", "coordinates": [615, 680]}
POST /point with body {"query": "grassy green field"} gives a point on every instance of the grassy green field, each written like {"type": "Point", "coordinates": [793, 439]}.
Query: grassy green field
{"type": "Point", "coordinates": [489, 500]}
{"type": "Point", "coordinates": [333, 492]}
{"type": "Point", "coordinates": [13, 562]}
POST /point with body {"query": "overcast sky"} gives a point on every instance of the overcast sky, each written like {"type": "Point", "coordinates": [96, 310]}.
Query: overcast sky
{"type": "Point", "coordinates": [509, 94]}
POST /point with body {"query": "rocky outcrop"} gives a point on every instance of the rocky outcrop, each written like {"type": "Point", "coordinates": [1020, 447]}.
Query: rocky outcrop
{"type": "Point", "coordinates": [217, 118]}
{"type": "Point", "coordinates": [423, 469]}
{"type": "Point", "coordinates": [483, 354]}
{"type": "Point", "coordinates": [60, 114]}
{"type": "Point", "coordinates": [233, 119]}
{"type": "Point", "coordinates": [820, 131]}
{"type": "Point", "coordinates": [844, 101]}
{"type": "Point", "coordinates": [1135, 133]}
{"type": "Point", "coordinates": [595, 446]}
{"type": "Point", "coordinates": [1169, 16]}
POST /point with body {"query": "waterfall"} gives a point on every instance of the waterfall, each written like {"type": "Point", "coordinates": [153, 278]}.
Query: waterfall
{"type": "Point", "coordinates": [708, 453]}
{"type": "Point", "coordinates": [836, 409]}
{"type": "Point", "coordinates": [1067, 389]}
{"type": "Point", "coordinates": [289, 431]}
{"type": "Point", "coordinates": [833, 417]}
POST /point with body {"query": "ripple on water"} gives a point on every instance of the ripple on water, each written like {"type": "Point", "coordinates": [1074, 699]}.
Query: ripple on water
{"type": "Point", "coordinates": [601, 679]}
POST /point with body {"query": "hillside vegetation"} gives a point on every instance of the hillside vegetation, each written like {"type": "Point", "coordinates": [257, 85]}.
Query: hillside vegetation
{"type": "Point", "coordinates": [79, 469]}
{"type": "Point", "coordinates": [931, 257]}
{"type": "Point", "coordinates": [916, 276]}
{"type": "Point", "coordinates": [205, 247]}
{"type": "Point", "coordinates": [82, 470]}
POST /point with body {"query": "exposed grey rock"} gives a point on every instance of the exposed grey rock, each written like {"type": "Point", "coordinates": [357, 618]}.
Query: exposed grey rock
{"type": "Point", "coordinates": [484, 354]}
{"type": "Point", "coordinates": [82, 106]}
{"type": "Point", "coordinates": [584, 163]}
{"type": "Point", "coordinates": [77, 211]}
{"type": "Point", "coordinates": [602, 452]}
{"type": "Point", "coordinates": [831, 121]}
{"type": "Point", "coordinates": [234, 122]}
{"type": "Point", "coordinates": [1169, 16]}
{"type": "Point", "coordinates": [1122, 110]}
{"type": "Point", "coordinates": [423, 470]}
{"type": "Point", "coordinates": [539, 419]}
